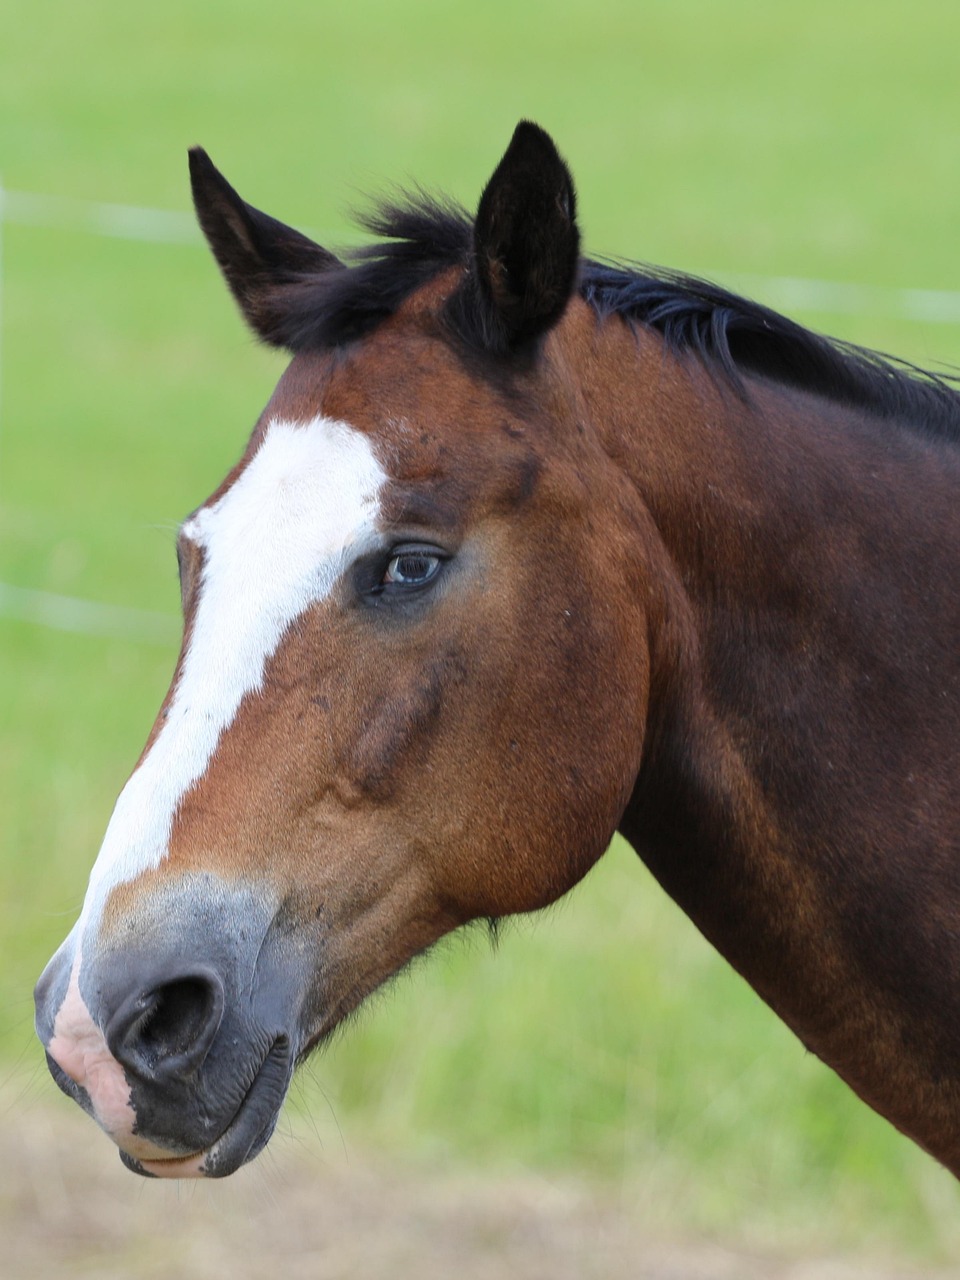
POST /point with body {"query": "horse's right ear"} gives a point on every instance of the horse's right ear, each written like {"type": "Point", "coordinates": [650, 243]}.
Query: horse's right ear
{"type": "Point", "coordinates": [259, 256]}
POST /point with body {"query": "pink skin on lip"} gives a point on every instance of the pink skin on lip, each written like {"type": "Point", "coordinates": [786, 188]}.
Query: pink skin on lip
{"type": "Point", "coordinates": [188, 1167]}
{"type": "Point", "coordinates": [79, 1049]}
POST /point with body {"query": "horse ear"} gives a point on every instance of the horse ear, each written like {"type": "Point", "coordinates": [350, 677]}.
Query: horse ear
{"type": "Point", "coordinates": [259, 256]}
{"type": "Point", "coordinates": [525, 241]}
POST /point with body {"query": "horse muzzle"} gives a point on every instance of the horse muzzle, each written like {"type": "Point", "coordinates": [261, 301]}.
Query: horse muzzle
{"type": "Point", "coordinates": [181, 1042]}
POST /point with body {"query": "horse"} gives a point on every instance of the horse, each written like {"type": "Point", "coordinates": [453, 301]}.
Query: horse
{"type": "Point", "coordinates": [525, 549]}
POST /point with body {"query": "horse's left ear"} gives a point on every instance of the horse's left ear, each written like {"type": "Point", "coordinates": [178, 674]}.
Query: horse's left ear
{"type": "Point", "coordinates": [526, 243]}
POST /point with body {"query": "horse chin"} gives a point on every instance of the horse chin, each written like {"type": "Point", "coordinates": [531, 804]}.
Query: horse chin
{"type": "Point", "coordinates": [244, 1137]}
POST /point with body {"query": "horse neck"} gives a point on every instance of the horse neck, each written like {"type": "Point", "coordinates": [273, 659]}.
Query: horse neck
{"type": "Point", "coordinates": [795, 796]}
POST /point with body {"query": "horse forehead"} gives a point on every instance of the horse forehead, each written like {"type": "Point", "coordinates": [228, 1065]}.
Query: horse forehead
{"type": "Point", "coordinates": [403, 376]}
{"type": "Point", "coordinates": [398, 369]}
{"type": "Point", "coordinates": [432, 422]}
{"type": "Point", "coordinates": [307, 486]}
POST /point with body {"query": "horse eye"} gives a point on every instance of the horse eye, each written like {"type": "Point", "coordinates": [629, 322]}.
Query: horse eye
{"type": "Point", "coordinates": [411, 569]}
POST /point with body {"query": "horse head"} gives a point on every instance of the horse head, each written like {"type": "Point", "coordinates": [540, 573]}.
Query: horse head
{"type": "Point", "coordinates": [412, 689]}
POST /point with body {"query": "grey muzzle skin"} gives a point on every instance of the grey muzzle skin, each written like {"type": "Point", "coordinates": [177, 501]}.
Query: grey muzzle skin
{"type": "Point", "coordinates": [200, 1003]}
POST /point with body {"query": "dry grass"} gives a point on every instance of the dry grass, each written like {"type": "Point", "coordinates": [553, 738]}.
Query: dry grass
{"type": "Point", "coordinates": [68, 1208]}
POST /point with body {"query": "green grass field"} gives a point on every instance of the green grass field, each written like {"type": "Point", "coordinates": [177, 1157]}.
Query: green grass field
{"type": "Point", "coordinates": [743, 140]}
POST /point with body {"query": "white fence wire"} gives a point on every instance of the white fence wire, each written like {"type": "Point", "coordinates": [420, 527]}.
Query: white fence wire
{"type": "Point", "coordinates": [87, 617]}
{"type": "Point", "coordinates": [166, 226]}
{"type": "Point", "coordinates": [169, 226]}
{"type": "Point", "coordinates": [123, 221]}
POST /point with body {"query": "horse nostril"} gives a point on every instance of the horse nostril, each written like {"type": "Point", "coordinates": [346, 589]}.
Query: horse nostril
{"type": "Point", "coordinates": [175, 1018]}
{"type": "Point", "coordinates": [169, 1029]}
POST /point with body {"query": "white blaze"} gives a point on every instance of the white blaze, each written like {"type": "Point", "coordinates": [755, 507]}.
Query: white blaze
{"type": "Point", "coordinates": [274, 544]}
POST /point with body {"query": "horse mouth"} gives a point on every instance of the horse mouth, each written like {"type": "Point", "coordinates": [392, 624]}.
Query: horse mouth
{"type": "Point", "coordinates": [246, 1134]}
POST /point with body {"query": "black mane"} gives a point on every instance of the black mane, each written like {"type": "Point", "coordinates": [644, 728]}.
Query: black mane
{"type": "Point", "coordinates": [419, 237]}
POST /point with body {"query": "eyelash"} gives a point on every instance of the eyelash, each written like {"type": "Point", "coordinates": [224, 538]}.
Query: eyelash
{"type": "Point", "coordinates": [427, 560]}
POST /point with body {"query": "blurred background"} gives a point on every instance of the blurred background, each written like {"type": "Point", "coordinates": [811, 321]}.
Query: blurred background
{"type": "Point", "coordinates": [804, 154]}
